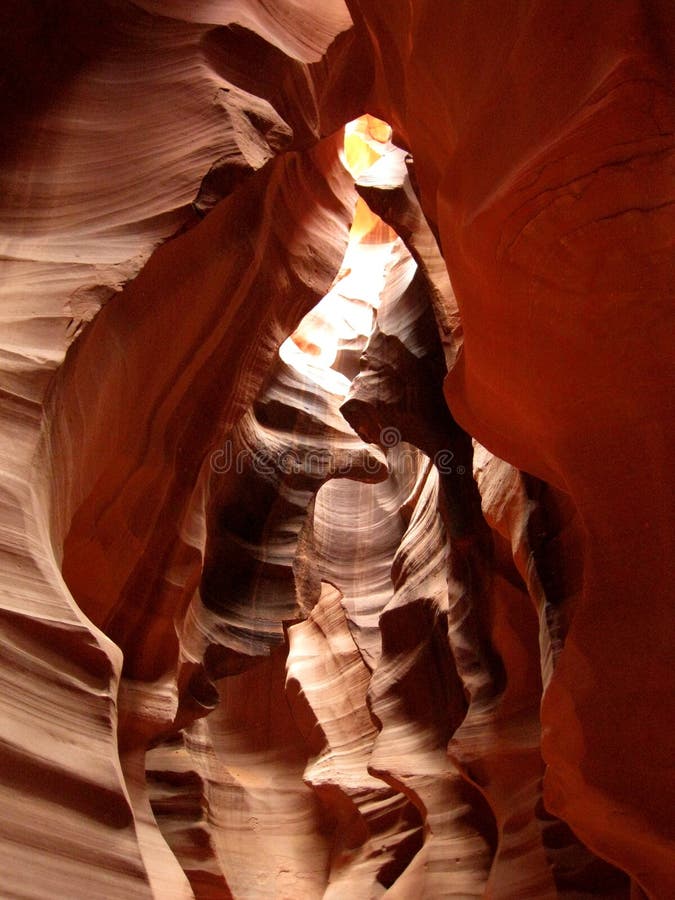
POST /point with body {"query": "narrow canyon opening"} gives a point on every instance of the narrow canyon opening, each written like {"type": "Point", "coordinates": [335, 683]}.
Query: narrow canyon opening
{"type": "Point", "coordinates": [331, 642]}
{"type": "Point", "coordinates": [334, 459]}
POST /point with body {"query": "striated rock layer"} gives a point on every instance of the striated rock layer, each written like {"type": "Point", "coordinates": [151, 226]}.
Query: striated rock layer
{"type": "Point", "coordinates": [334, 501]}
{"type": "Point", "coordinates": [547, 169]}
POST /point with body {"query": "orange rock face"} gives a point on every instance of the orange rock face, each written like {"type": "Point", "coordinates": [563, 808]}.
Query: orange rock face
{"type": "Point", "coordinates": [335, 495]}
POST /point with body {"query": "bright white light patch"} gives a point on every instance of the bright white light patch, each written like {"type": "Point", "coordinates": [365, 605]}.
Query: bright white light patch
{"type": "Point", "coordinates": [346, 313]}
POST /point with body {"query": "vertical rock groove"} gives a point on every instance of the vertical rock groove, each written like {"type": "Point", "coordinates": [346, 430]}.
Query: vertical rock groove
{"type": "Point", "coordinates": [335, 495]}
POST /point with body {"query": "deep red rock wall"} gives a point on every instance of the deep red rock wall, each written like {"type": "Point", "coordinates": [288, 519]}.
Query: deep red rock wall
{"type": "Point", "coordinates": [542, 135]}
{"type": "Point", "coordinates": [386, 612]}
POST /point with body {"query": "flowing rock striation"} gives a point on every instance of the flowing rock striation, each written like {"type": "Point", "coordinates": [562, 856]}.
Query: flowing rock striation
{"type": "Point", "coordinates": [334, 508]}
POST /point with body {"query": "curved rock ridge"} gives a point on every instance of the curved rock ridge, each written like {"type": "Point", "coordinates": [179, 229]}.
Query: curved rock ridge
{"type": "Point", "coordinates": [88, 442]}
{"type": "Point", "coordinates": [444, 627]}
{"type": "Point", "coordinates": [418, 699]}
{"type": "Point", "coordinates": [378, 829]}
{"type": "Point", "coordinates": [256, 496]}
{"type": "Point", "coordinates": [262, 830]}
{"type": "Point", "coordinates": [178, 794]}
{"type": "Point", "coordinates": [261, 484]}
{"type": "Point", "coordinates": [543, 146]}
{"type": "Point", "coordinates": [209, 386]}
{"type": "Point", "coordinates": [296, 27]}
{"type": "Point", "coordinates": [157, 570]}
{"type": "Point", "coordinates": [108, 142]}
{"type": "Point", "coordinates": [334, 508]}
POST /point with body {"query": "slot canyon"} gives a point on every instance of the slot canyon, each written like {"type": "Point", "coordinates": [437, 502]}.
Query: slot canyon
{"type": "Point", "coordinates": [336, 494]}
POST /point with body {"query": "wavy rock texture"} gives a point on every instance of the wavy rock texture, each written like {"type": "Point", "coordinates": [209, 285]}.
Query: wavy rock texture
{"type": "Point", "coordinates": [334, 508]}
{"type": "Point", "coordinates": [543, 143]}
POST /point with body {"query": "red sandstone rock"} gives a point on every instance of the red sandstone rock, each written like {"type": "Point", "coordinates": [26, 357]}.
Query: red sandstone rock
{"type": "Point", "coordinates": [542, 139]}
{"type": "Point", "coordinates": [277, 624]}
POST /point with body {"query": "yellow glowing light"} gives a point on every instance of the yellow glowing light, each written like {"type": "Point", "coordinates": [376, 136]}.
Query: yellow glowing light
{"type": "Point", "coordinates": [347, 310]}
{"type": "Point", "coordinates": [366, 140]}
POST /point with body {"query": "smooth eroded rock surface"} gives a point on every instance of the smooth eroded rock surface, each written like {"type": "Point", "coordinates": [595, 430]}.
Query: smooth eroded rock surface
{"type": "Point", "coordinates": [335, 483]}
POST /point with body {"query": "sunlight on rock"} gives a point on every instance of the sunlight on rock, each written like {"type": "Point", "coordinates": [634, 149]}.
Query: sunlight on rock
{"type": "Point", "coordinates": [346, 312]}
